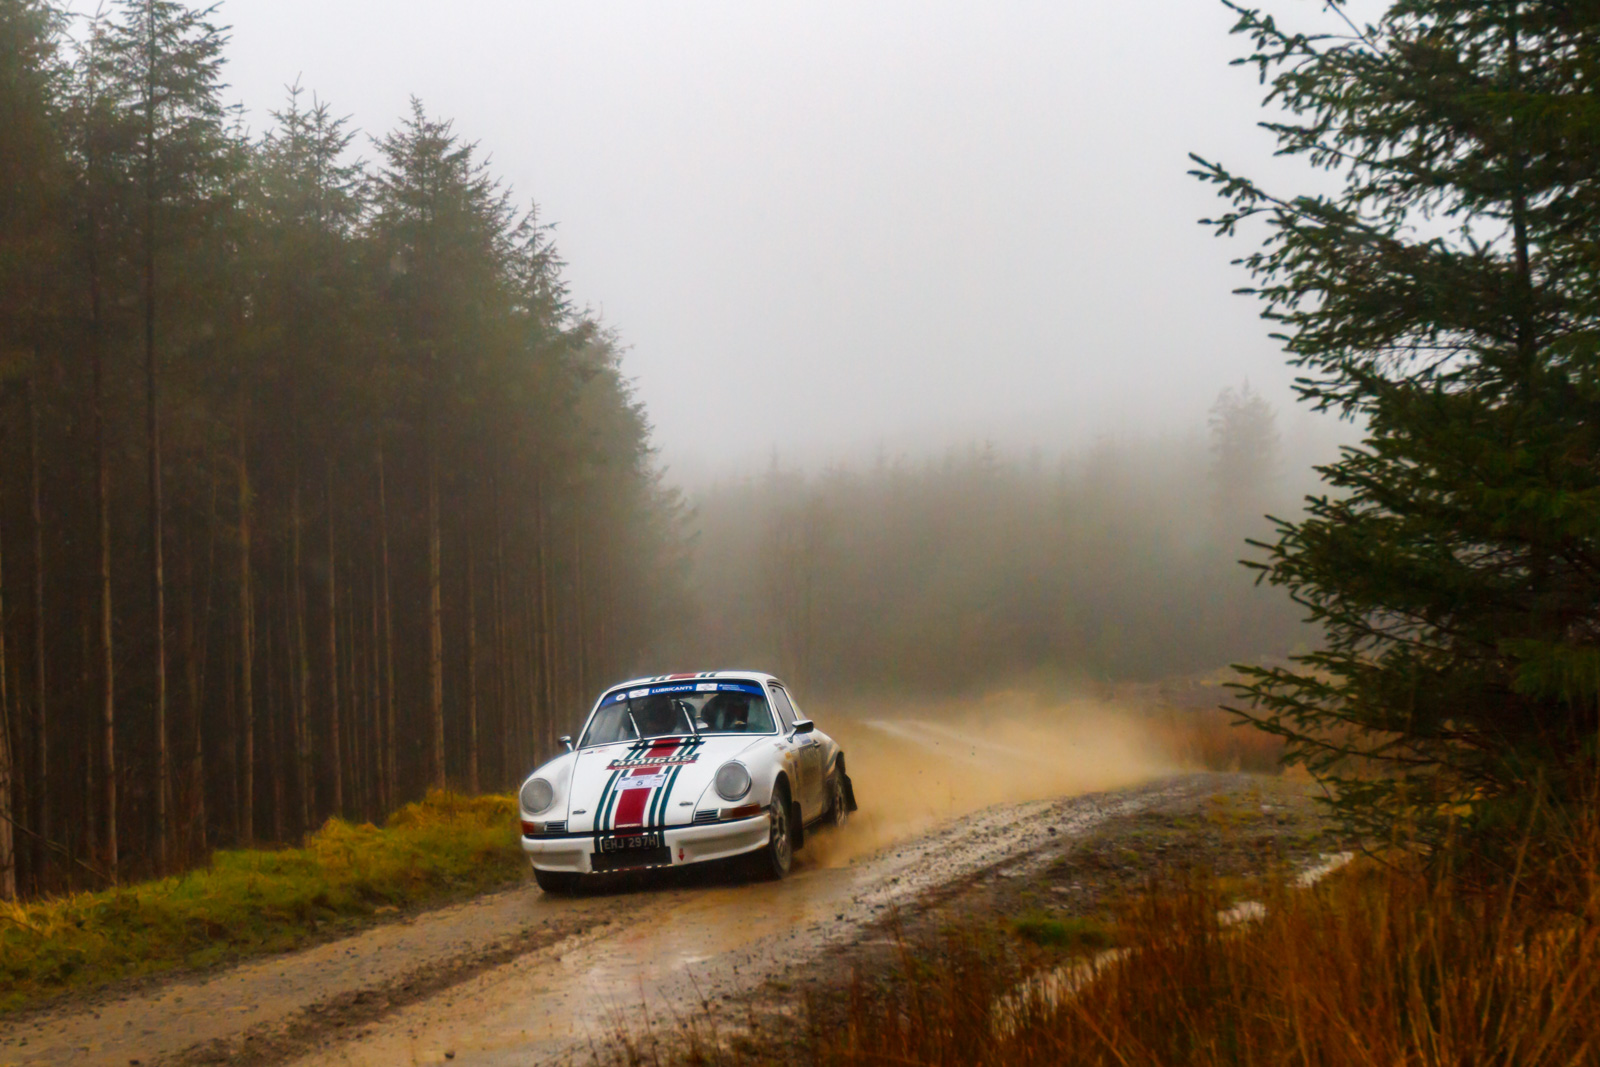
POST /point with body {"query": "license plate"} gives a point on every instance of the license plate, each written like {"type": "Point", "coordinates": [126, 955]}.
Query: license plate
{"type": "Point", "coordinates": [630, 842]}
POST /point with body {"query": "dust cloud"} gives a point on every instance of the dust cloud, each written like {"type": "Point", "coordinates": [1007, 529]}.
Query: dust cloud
{"type": "Point", "coordinates": [916, 763]}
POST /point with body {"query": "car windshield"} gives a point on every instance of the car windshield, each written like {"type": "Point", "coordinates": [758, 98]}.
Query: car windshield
{"type": "Point", "coordinates": [678, 708]}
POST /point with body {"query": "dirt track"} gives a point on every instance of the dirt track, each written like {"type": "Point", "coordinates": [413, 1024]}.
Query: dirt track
{"type": "Point", "coordinates": [521, 977]}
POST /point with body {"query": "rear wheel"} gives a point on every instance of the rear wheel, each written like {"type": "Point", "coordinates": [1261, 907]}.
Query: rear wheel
{"type": "Point", "coordinates": [772, 862]}
{"type": "Point", "coordinates": [563, 882]}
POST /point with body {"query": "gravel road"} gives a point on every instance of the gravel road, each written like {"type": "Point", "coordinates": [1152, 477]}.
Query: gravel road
{"type": "Point", "coordinates": [520, 977]}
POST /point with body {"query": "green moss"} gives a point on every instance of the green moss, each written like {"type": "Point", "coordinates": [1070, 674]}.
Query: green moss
{"type": "Point", "coordinates": [1074, 933]}
{"type": "Point", "coordinates": [249, 902]}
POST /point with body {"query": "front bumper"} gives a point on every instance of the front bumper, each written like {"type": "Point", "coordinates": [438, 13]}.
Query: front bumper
{"type": "Point", "coordinates": [687, 844]}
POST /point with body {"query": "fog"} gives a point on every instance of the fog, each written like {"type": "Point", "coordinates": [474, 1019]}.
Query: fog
{"type": "Point", "coordinates": [896, 226]}
{"type": "Point", "coordinates": [979, 569]}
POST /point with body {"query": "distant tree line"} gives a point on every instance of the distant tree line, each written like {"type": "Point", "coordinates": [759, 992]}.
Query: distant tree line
{"type": "Point", "coordinates": [316, 490]}
{"type": "Point", "coordinates": [976, 567]}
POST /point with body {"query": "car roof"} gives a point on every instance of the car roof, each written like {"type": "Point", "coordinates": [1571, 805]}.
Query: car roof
{"type": "Point", "coordinates": [762, 676]}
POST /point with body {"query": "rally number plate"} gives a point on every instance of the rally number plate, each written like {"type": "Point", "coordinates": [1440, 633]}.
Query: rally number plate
{"type": "Point", "coordinates": [630, 842]}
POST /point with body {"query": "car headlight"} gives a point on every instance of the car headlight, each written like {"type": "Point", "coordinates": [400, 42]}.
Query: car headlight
{"type": "Point", "coordinates": [732, 780]}
{"type": "Point", "coordinates": [536, 795]}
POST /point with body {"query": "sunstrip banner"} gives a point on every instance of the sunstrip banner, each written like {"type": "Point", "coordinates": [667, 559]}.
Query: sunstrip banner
{"type": "Point", "coordinates": [683, 687]}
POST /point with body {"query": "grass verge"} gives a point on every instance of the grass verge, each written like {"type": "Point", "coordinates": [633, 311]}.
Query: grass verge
{"type": "Point", "coordinates": [249, 902]}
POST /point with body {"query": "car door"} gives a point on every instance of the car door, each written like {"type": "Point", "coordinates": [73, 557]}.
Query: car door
{"type": "Point", "coordinates": [810, 789]}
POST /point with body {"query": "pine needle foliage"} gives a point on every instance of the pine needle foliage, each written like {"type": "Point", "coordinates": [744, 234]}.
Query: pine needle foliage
{"type": "Point", "coordinates": [1446, 297]}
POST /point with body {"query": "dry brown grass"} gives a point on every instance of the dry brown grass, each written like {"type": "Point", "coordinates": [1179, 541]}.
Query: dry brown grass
{"type": "Point", "coordinates": [1212, 739]}
{"type": "Point", "coordinates": [1383, 963]}
{"type": "Point", "coordinates": [1379, 965]}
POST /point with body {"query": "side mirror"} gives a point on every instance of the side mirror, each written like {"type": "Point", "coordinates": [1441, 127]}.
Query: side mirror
{"type": "Point", "coordinates": [804, 726]}
{"type": "Point", "coordinates": [566, 739]}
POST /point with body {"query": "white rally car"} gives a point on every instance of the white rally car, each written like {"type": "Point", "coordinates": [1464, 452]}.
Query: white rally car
{"type": "Point", "coordinates": [683, 768]}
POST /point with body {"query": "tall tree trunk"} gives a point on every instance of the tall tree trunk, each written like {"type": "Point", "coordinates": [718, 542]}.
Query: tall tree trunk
{"type": "Point", "coordinates": [158, 583]}
{"type": "Point", "coordinates": [107, 828]}
{"type": "Point", "coordinates": [580, 629]}
{"type": "Point", "coordinates": [8, 851]}
{"type": "Point", "coordinates": [41, 719]}
{"type": "Point", "coordinates": [435, 629]}
{"type": "Point", "coordinates": [274, 738]}
{"type": "Point", "coordinates": [230, 711]}
{"type": "Point", "coordinates": [197, 626]}
{"type": "Point", "coordinates": [247, 649]}
{"type": "Point", "coordinates": [533, 675]}
{"type": "Point", "coordinates": [108, 700]}
{"type": "Point", "coordinates": [92, 805]}
{"type": "Point", "coordinates": [547, 692]}
{"type": "Point", "coordinates": [502, 665]}
{"type": "Point", "coordinates": [472, 667]}
{"type": "Point", "coordinates": [183, 799]}
{"type": "Point", "coordinates": [335, 744]}
{"type": "Point", "coordinates": [391, 784]}
{"type": "Point", "coordinates": [300, 683]}
{"type": "Point", "coordinates": [380, 798]}
{"type": "Point", "coordinates": [355, 721]}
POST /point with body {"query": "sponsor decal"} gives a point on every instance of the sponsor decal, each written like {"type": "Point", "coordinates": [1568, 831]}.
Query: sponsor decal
{"type": "Point", "coordinates": [651, 761]}
{"type": "Point", "coordinates": [642, 781]}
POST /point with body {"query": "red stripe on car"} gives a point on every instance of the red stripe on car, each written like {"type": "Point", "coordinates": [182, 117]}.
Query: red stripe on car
{"type": "Point", "coordinates": [630, 808]}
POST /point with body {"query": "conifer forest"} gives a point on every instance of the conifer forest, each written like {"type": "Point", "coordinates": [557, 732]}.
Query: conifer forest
{"type": "Point", "coordinates": [321, 489]}
{"type": "Point", "coordinates": [317, 489]}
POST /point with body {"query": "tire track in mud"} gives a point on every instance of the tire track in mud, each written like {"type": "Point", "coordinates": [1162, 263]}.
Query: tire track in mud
{"type": "Point", "coordinates": [227, 1012]}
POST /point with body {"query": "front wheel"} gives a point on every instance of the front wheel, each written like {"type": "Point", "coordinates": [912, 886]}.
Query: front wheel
{"type": "Point", "coordinates": [563, 882]}
{"type": "Point", "coordinates": [772, 862]}
{"type": "Point", "coordinates": [838, 800]}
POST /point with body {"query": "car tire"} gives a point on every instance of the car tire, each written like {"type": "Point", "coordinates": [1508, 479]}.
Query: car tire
{"type": "Point", "coordinates": [771, 863]}
{"type": "Point", "coordinates": [563, 882]}
{"type": "Point", "coordinates": [838, 800]}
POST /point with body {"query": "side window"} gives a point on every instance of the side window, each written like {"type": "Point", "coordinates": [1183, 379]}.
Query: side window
{"type": "Point", "coordinates": [785, 710]}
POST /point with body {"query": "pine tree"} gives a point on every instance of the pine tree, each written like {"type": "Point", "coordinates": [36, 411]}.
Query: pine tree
{"type": "Point", "coordinates": [442, 224]}
{"type": "Point", "coordinates": [1244, 455]}
{"type": "Point", "coordinates": [161, 68]}
{"type": "Point", "coordinates": [1446, 297]}
{"type": "Point", "coordinates": [32, 173]}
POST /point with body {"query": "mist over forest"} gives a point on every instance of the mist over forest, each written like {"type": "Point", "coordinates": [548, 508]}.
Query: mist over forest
{"type": "Point", "coordinates": [977, 567]}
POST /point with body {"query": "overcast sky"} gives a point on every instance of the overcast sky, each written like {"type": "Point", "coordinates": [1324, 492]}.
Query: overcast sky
{"type": "Point", "coordinates": [827, 228]}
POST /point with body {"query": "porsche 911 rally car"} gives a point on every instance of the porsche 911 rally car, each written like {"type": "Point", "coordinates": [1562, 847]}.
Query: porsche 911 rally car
{"type": "Point", "coordinates": [684, 768]}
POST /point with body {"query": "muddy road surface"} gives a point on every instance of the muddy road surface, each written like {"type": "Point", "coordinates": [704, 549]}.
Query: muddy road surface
{"type": "Point", "coordinates": [521, 977]}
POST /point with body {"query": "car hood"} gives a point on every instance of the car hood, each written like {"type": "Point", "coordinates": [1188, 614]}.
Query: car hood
{"type": "Point", "coordinates": [637, 784]}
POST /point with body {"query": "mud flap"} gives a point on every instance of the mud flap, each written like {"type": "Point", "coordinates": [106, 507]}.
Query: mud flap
{"type": "Point", "coordinates": [797, 827]}
{"type": "Point", "coordinates": [849, 794]}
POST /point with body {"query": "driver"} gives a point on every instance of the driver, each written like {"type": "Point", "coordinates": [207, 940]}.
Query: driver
{"type": "Point", "coordinates": [657, 715]}
{"type": "Point", "coordinates": [730, 712]}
